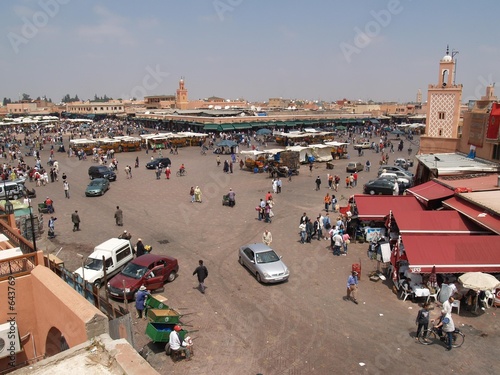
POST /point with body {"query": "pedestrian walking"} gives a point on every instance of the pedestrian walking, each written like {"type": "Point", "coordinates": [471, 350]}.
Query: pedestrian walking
{"type": "Point", "coordinates": [167, 172]}
{"type": "Point", "coordinates": [202, 273]}
{"type": "Point", "coordinates": [327, 200]}
{"type": "Point", "coordinates": [318, 183]}
{"type": "Point", "coordinates": [217, 159]}
{"type": "Point", "coordinates": [197, 194]}
{"type": "Point", "coordinates": [75, 219]}
{"type": "Point", "coordinates": [302, 232]}
{"type": "Point", "coordinates": [337, 182]}
{"type": "Point", "coordinates": [66, 189]}
{"type": "Point", "coordinates": [352, 288]}
{"type": "Point", "coordinates": [280, 184]}
{"type": "Point", "coordinates": [119, 216]}
{"type": "Point", "coordinates": [330, 181]}
{"type": "Point", "coordinates": [230, 167]}
{"type": "Point", "coordinates": [191, 193]}
{"type": "Point", "coordinates": [267, 238]}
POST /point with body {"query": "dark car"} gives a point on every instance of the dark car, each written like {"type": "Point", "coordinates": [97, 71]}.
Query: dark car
{"type": "Point", "coordinates": [97, 187]}
{"type": "Point", "coordinates": [150, 270]}
{"type": "Point", "coordinates": [101, 171]}
{"type": "Point", "coordinates": [354, 166]}
{"type": "Point", "coordinates": [154, 163]}
{"type": "Point", "coordinates": [380, 186]}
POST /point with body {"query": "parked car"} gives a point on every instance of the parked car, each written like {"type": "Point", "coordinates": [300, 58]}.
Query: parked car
{"type": "Point", "coordinates": [393, 168]}
{"type": "Point", "coordinates": [116, 253]}
{"type": "Point", "coordinates": [354, 166]}
{"type": "Point", "coordinates": [404, 163]}
{"type": "Point", "coordinates": [401, 177]}
{"type": "Point", "coordinates": [97, 187]}
{"type": "Point", "coordinates": [101, 171]}
{"type": "Point", "coordinates": [380, 186]}
{"type": "Point", "coordinates": [154, 163]}
{"type": "Point", "coordinates": [263, 262]}
{"type": "Point", "coordinates": [150, 270]}
{"type": "Point", "coordinates": [362, 146]}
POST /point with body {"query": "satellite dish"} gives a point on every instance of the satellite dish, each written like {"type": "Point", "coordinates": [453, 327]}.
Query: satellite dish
{"type": "Point", "coordinates": [444, 84]}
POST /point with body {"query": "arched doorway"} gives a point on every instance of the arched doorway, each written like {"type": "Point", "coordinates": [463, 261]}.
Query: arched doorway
{"type": "Point", "coordinates": [55, 342]}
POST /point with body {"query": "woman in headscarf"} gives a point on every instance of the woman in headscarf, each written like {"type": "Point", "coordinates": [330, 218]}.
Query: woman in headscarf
{"type": "Point", "coordinates": [197, 194]}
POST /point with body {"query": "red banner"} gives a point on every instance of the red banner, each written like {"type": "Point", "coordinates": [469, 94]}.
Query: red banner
{"type": "Point", "coordinates": [494, 122]}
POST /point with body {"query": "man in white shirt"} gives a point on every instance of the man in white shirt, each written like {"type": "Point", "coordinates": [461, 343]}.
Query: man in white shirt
{"type": "Point", "coordinates": [446, 311]}
{"type": "Point", "coordinates": [176, 345]}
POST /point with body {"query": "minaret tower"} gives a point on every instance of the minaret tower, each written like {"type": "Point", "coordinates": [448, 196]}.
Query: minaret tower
{"type": "Point", "coordinates": [443, 111]}
{"type": "Point", "coordinates": [181, 97]}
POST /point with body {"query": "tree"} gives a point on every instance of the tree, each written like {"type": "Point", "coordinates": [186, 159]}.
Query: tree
{"type": "Point", "coordinates": [26, 97]}
{"type": "Point", "coordinates": [6, 101]}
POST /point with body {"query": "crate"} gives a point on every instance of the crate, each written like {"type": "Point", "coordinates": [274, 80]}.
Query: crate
{"type": "Point", "coordinates": [156, 302]}
{"type": "Point", "coordinates": [164, 316]}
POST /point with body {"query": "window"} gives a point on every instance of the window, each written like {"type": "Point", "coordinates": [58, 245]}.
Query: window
{"type": "Point", "coordinates": [122, 253]}
{"type": "Point", "coordinates": [496, 152]}
{"type": "Point", "coordinates": [440, 132]}
{"type": "Point", "coordinates": [441, 115]}
{"type": "Point", "coordinates": [109, 262]}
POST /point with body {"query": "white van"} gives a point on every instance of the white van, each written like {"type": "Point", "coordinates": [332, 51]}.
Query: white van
{"type": "Point", "coordinates": [11, 189]}
{"type": "Point", "coordinates": [116, 252]}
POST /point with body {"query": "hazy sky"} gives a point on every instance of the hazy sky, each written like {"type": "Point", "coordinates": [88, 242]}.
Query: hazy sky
{"type": "Point", "coordinates": [316, 49]}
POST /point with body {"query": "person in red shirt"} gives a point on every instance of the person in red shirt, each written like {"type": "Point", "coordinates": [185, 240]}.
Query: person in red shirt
{"type": "Point", "coordinates": [49, 203]}
{"type": "Point", "coordinates": [355, 176]}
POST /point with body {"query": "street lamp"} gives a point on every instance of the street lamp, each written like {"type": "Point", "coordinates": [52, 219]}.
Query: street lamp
{"type": "Point", "coordinates": [33, 235]}
{"type": "Point", "coordinates": [9, 208]}
{"type": "Point", "coordinates": [83, 274]}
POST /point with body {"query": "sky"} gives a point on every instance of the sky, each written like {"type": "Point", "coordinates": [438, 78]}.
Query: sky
{"type": "Point", "coordinates": [256, 50]}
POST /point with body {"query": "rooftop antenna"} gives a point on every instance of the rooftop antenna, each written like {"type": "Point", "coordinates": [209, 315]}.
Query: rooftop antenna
{"type": "Point", "coordinates": [453, 54]}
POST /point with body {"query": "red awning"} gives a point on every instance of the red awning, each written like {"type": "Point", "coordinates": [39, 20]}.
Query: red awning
{"type": "Point", "coordinates": [377, 207]}
{"type": "Point", "coordinates": [430, 191]}
{"type": "Point", "coordinates": [493, 122]}
{"type": "Point", "coordinates": [475, 213]}
{"type": "Point", "coordinates": [453, 254]}
{"type": "Point", "coordinates": [435, 222]}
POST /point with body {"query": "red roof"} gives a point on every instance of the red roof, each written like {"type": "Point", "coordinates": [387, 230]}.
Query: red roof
{"type": "Point", "coordinates": [453, 254]}
{"type": "Point", "coordinates": [430, 191]}
{"type": "Point", "coordinates": [435, 222]}
{"type": "Point", "coordinates": [480, 183]}
{"type": "Point", "coordinates": [377, 207]}
{"type": "Point", "coordinates": [475, 213]}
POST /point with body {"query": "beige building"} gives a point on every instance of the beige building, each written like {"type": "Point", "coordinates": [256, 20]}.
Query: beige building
{"type": "Point", "coordinates": [443, 111]}
{"type": "Point", "coordinates": [159, 101]}
{"type": "Point", "coordinates": [96, 108]}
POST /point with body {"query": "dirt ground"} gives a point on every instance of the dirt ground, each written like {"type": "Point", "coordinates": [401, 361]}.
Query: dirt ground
{"type": "Point", "coordinates": [302, 326]}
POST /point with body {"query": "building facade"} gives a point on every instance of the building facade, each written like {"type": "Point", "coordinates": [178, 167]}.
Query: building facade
{"type": "Point", "coordinates": [476, 138]}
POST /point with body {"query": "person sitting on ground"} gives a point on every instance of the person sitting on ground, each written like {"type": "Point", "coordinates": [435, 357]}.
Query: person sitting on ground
{"type": "Point", "coordinates": [177, 345]}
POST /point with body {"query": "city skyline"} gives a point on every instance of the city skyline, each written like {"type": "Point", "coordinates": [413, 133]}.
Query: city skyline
{"type": "Point", "coordinates": [319, 50]}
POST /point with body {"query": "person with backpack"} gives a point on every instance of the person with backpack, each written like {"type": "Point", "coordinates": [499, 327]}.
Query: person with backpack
{"type": "Point", "coordinates": [202, 273]}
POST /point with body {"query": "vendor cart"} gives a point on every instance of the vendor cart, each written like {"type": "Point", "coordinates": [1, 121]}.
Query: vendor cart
{"type": "Point", "coordinates": [42, 208]}
{"type": "Point", "coordinates": [160, 332]}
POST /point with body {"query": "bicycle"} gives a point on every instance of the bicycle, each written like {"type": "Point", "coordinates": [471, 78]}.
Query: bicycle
{"type": "Point", "coordinates": [431, 336]}
{"type": "Point", "coordinates": [181, 173]}
{"type": "Point", "coordinates": [203, 152]}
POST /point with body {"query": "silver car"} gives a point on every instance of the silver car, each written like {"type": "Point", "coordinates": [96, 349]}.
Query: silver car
{"type": "Point", "coordinates": [263, 262]}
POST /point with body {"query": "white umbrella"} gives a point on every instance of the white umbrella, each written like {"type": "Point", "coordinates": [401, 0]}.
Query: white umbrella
{"type": "Point", "coordinates": [479, 281]}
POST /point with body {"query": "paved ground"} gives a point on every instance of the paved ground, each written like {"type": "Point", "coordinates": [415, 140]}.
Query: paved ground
{"type": "Point", "coordinates": [299, 327]}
